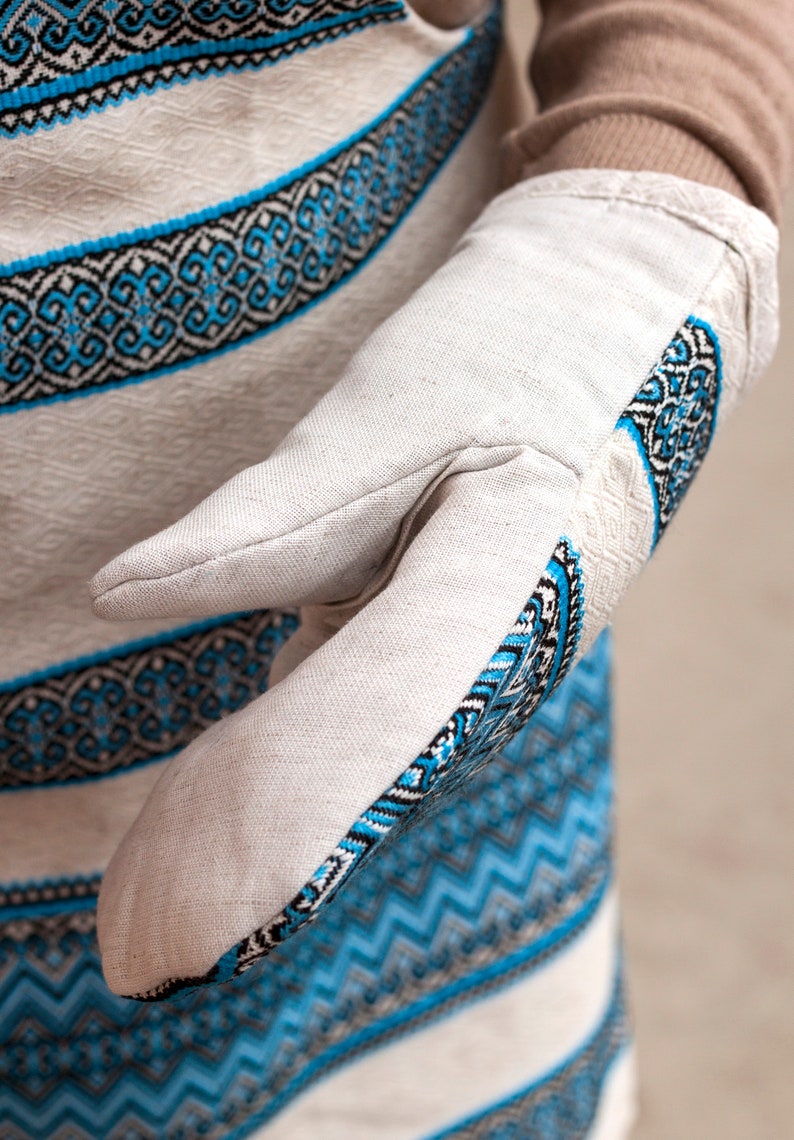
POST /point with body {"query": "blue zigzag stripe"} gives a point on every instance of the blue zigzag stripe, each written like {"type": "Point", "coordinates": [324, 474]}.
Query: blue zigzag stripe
{"type": "Point", "coordinates": [64, 59]}
{"type": "Point", "coordinates": [134, 306]}
{"type": "Point", "coordinates": [501, 877]}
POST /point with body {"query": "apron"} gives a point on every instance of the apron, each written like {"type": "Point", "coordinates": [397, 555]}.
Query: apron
{"type": "Point", "coordinates": [205, 208]}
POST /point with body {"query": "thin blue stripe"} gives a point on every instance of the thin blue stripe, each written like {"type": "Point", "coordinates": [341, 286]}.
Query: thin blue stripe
{"type": "Point", "coordinates": [122, 650]}
{"type": "Point", "coordinates": [82, 82]}
{"type": "Point", "coordinates": [551, 1074]}
{"type": "Point", "coordinates": [50, 906]}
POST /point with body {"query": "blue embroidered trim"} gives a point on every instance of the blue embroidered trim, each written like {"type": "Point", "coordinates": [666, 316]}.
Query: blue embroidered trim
{"type": "Point", "coordinates": [133, 704]}
{"type": "Point", "coordinates": [534, 656]}
{"type": "Point", "coordinates": [508, 871]}
{"type": "Point", "coordinates": [135, 306]}
{"type": "Point", "coordinates": [59, 59]}
{"type": "Point", "coordinates": [673, 416]}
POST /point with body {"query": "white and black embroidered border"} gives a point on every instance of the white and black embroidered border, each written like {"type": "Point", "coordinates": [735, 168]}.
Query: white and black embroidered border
{"type": "Point", "coordinates": [131, 307]}
{"type": "Point", "coordinates": [673, 416]}
{"type": "Point", "coordinates": [529, 663]}
{"type": "Point", "coordinates": [139, 703]}
{"type": "Point", "coordinates": [57, 60]}
{"type": "Point", "coordinates": [50, 893]}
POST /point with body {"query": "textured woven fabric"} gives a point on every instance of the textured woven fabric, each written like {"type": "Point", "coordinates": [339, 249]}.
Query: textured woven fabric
{"type": "Point", "coordinates": [433, 480]}
{"type": "Point", "coordinates": [204, 213]}
{"type": "Point", "coordinates": [113, 427]}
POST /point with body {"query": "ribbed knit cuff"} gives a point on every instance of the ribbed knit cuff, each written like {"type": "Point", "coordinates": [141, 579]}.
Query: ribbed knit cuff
{"type": "Point", "coordinates": [627, 141]}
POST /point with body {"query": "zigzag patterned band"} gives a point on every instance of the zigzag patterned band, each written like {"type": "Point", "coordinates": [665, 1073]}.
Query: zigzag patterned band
{"type": "Point", "coordinates": [59, 59]}
{"type": "Point", "coordinates": [132, 307]}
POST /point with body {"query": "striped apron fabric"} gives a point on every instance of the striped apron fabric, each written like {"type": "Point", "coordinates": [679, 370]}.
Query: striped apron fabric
{"type": "Point", "coordinates": [207, 205]}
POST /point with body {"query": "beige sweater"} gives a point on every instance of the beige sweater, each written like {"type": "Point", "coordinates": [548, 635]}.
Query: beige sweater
{"type": "Point", "coordinates": [699, 88]}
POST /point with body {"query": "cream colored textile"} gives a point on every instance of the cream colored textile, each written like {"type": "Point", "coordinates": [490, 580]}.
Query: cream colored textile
{"type": "Point", "coordinates": [432, 484]}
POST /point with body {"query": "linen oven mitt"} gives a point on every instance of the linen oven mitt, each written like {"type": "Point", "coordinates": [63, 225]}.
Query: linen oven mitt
{"type": "Point", "coordinates": [458, 516]}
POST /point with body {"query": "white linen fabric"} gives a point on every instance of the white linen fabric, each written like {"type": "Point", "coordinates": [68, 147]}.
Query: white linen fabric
{"type": "Point", "coordinates": [412, 512]}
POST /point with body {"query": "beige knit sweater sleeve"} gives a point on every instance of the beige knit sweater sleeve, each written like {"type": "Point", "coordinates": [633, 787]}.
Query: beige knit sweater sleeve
{"type": "Point", "coordinates": [699, 88]}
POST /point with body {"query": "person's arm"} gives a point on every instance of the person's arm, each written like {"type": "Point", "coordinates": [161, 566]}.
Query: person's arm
{"type": "Point", "coordinates": [702, 89]}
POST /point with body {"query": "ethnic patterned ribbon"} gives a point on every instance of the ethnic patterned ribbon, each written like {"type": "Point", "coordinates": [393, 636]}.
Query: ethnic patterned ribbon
{"type": "Point", "coordinates": [136, 703]}
{"type": "Point", "coordinates": [133, 306]}
{"type": "Point", "coordinates": [673, 416]}
{"type": "Point", "coordinates": [60, 58]}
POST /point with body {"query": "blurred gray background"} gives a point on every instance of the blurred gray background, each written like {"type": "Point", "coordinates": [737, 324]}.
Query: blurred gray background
{"type": "Point", "coordinates": [704, 725]}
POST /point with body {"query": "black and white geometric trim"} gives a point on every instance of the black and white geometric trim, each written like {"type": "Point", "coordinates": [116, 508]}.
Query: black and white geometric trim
{"type": "Point", "coordinates": [44, 912]}
{"type": "Point", "coordinates": [51, 893]}
{"type": "Point", "coordinates": [533, 658]}
{"type": "Point", "coordinates": [62, 59]}
{"type": "Point", "coordinates": [133, 306]}
{"type": "Point", "coordinates": [673, 416]}
{"type": "Point", "coordinates": [134, 704]}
